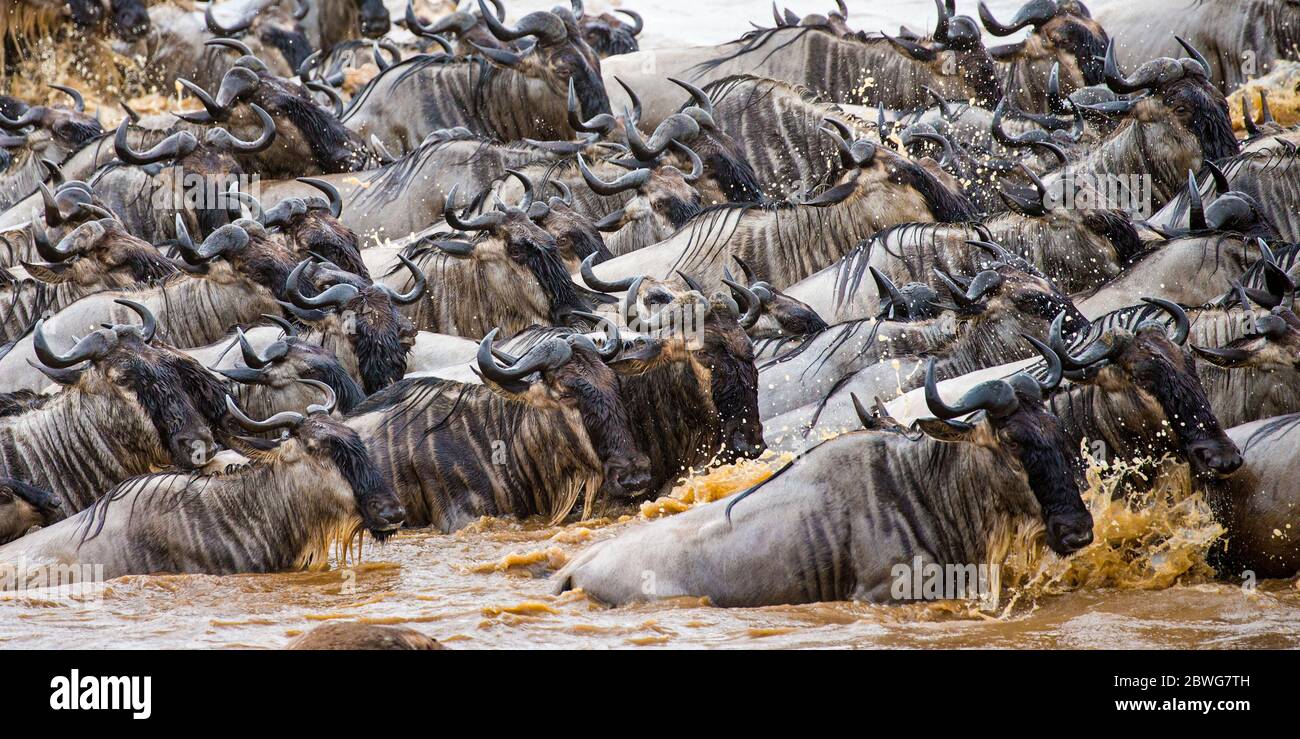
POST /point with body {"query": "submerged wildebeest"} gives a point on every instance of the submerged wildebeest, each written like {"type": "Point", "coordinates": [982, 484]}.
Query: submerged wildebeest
{"type": "Point", "coordinates": [541, 434]}
{"type": "Point", "coordinates": [24, 507]}
{"type": "Point", "coordinates": [281, 511]}
{"type": "Point", "coordinates": [1257, 506]}
{"type": "Point", "coordinates": [836, 523]}
{"type": "Point", "coordinates": [505, 94]}
{"type": "Point", "coordinates": [128, 405]}
{"type": "Point", "coordinates": [1134, 388]}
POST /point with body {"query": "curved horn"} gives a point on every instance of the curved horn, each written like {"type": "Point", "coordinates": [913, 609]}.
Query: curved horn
{"type": "Point", "coordinates": [995, 396]}
{"type": "Point", "coordinates": [175, 146]}
{"type": "Point", "coordinates": [1116, 80]}
{"type": "Point", "coordinates": [332, 192]}
{"type": "Point", "coordinates": [638, 23]}
{"type": "Point", "coordinates": [629, 181]}
{"type": "Point", "coordinates": [1035, 13]}
{"type": "Point", "coordinates": [599, 285]}
{"type": "Point", "coordinates": [262, 142]}
{"type": "Point", "coordinates": [1182, 324]}
{"type": "Point", "coordinates": [697, 164]}
{"type": "Point", "coordinates": [701, 98]}
{"type": "Point", "coordinates": [1195, 55]}
{"type": "Point", "coordinates": [252, 358]}
{"type": "Point", "coordinates": [547, 27]}
{"type": "Point", "coordinates": [1095, 352]}
{"type": "Point", "coordinates": [333, 297]}
{"type": "Point", "coordinates": [753, 305]}
{"type": "Point", "coordinates": [218, 30]}
{"type": "Point", "coordinates": [78, 102]}
{"type": "Point", "coordinates": [327, 405]}
{"type": "Point", "coordinates": [148, 323]}
{"type": "Point", "coordinates": [90, 348]}
{"type": "Point", "coordinates": [1221, 185]}
{"type": "Point", "coordinates": [281, 420]}
{"type": "Point", "coordinates": [478, 223]}
{"type": "Point", "coordinates": [1055, 369]}
{"type": "Point", "coordinates": [417, 290]}
{"type": "Point", "coordinates": [212, 110]}
{"type": "Point", "coordinates": [336, 100]}
{"type": "Point", "coordinates": [529, 191]}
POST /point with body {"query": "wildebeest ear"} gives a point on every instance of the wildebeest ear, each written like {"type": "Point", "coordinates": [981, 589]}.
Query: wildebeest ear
{"type": "Point", "coordinates": [948, 431]}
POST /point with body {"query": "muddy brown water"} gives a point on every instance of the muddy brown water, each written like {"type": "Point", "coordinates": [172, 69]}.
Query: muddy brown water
{"type": "Point", "coordinates": [1142, 584]}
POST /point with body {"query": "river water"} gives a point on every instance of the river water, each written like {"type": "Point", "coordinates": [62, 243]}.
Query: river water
{"type": "Point", "coordinates": [1143, 583]}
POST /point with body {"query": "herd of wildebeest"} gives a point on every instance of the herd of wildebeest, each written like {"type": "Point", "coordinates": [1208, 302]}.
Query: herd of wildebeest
{"type": "Point", "coordinates": [526, 269]}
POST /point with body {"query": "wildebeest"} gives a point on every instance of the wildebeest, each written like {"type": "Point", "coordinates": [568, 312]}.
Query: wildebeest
{"type": "Point", "coordinates": [1179, 126]}
{"type": "Point", "coordinates": [39, 133]}
{"type": "Point", "coordinates": [785, 242]}
{"type": "Point", "coordinates": [282, 511]}
{"type": "Point", "coordinates": [128, 404]}
{"type": "Point", "coordinates": [1134, 389]}
{"type": "Point", "coordinates": [1240, 39]}
{"type": "Point", "coordinates": [512, 446]}
{"type": "Point", "coordinates": [97, 255]}
{"type": "Point", "coordinates": [859, 68]}
{"type": "Point", "coordinates": [1062, 33]}
{"type": "Point", "coordinates": [309, 139]}
{"type": "Point", "coordinates": [516, 95]}
{"type": "Point", "coordinates": [508, 274]}
{"type": "Point", "coordinates": [24, 507]}
{"type": "Point", "coordinates": [836, 523]}
{"type": "Point", "coordinates": [146, 194]}
{"type": "Point", "coordinates": [1257, 506]}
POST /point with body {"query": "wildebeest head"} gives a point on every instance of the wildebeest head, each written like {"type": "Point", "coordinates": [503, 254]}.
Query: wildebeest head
{"type": "Point", "coordinates": [1012, 425]}
{"type": "Point", "coordinates": [954, 50]}
{"type": "Point", "coordinates": [1007, 298]}
{"type": "Point", "coordinates": [1273, 345]}
{"type": "Point", "coordinates": [576, 235]}
{"type": "Point", "coordinates": [512, 250]}
{"type": "Point", "coordinates": [1231, 210]}
{"type": "Point", "coordinates": [1061, 33]}
{"type": "Point", "coordinates": [24, 507]}
{"type": "Point", "coordinates": [281, 365]}
{"type": "Point", "coordinates": [170, 399]}
{"type": "Point", "coordinates": [214, 160]}
{"type": "Point", "coordinates": [1151, 381]}
{"type": "Point", "coordinates": [70, 127]}
{"type": "Point", "coordinates": [794, 317]}
{"type": "Point", "coordinates": [1182, 95]}
{"type": "Point", "coordinates": [274, 23]}
{"type": "Point", "coordinates": [307, 133]}
{"type": "Point", "coordinates": [709, 332]}
{"type": "Point", "coordinates": [323, 454]}
{"type": "Point", "coordinates": [572, 373]}
{"type": "Point", "coordinates": [608, 34]}
{"type": "Point", "coordinates": [96, 254]}
{"type": "Point", "coordinates": [312, 224]}
{"type": "Point", "coordinates": [240, 250]}
{"type": "Point", "coordinates": [130, 19]}
{"type": "Point", "coordinates": [372, 18]}
{"type": "Point", "coordinates": [899, 189]}
{"type": "Point", "coordinates": [665, 195]}
{"type": "Point", "coordinates": [558, 57]}
{"type": "Point", "coordinates": [370, 332]}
